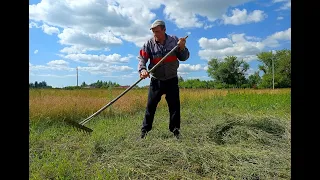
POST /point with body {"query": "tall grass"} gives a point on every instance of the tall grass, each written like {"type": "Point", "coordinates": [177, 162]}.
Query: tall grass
{"type": "Point", "coordinates": [226, 134]}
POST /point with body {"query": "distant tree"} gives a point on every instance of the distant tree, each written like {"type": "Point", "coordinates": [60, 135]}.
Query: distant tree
{"type": "Point", "coordinates": [180, 79]}
{"type": "Point", "coordinates": [254, 80]}
{"type": "Point", "coordinates": [194, 83]}
{"type": "Point", "coordinates": [231, 71]}
{"type": "Point", "coordinates": [42, 84]}
{"type": "Point", "coordinates": [83, 84]}
{"type": "Point", "coordinates": [106, 84]}
{"type": "Point", "coordinates": [282, 68]}
{"type": "Point", "coordinates": [36, 84]}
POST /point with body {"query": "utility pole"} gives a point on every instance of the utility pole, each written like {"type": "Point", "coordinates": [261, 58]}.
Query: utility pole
{"type": "Point", "coordinates": [77, 76]}
{"type": "Point", "coordinates": [273, 53]}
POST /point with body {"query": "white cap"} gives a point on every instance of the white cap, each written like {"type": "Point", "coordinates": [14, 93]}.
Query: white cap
{"type": "Point", "coordinates": [156, 23]}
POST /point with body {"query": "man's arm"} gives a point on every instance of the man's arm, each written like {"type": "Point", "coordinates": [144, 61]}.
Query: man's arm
{"type": "Point", "coordinates": [143, 58]}
{"type": "Point", "coordinates": [183, 55]}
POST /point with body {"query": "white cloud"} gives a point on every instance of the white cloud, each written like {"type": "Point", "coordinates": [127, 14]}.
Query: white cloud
{"type": "Point", "coordinates": [50, 30]}
{"type": "Point", "coordinates": [95, 64]}
{"type": "Point", "coordinates": [182, 73]}
{"type": "Point", "coordinates": [92, 16]}
{"type": "Point", "coordinates": [96, 24]}
{"type": "Point", "coordinates": [188, 11]}
{"type": "Point", "coordinates": [286, 4]}
{"type": "Point", "coordinates": [214, 43]}
{"type": "Point", "coordinates": [49, 67]}
{"type": "Point", "coordinates": [105, 69]}
{"type": "Point", "coordinates": [189, 67]}
{"type": "Point", "coordinates": [93, 60]}
{"type": "Point", "coordinates": [81, 41]}
{"type": "Point", "coordinates": [202, 78]}
{"type": "Point", "coordinates": [236, 45]}
{"type": "Point", "coordinates": [279, 18]}
{"type": "Point", "coordinates": [36, 51]}
{"type": "Point", "coordinates": [102, 24]}
{"type": "Point", "coordinates": [46, 29]}
{"type": "Point", "coordinates": [239, 45]}
{"type": "Point", "coordinates": [33, 24]}
{"type": "Point", "coordinates": [241, 17]}
{"type": "Point", "coordinates": [206, 26]}
{"type": "Point", "coordinates": [56, 76]}
{"type": "Point", "coordinates": [253, 38]}
{"type": "Point", "coordinates": [277, 1]}
{"type": "Point", "coordinates": [93, 67]}
{"type": "Point", "coordinates": [58, 63]}
{"type": "Point", "coordinates": [273, 40]}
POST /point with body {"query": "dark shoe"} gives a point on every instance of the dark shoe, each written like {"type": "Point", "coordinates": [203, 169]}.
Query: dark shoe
{"type": "Point", "coordinates": [176, 133]}
{"type": "Point", "coordinates": [143, 134]}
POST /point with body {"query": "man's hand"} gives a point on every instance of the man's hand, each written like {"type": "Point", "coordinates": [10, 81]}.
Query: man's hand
{"type": "Point", "coordinates": [144, 74]}
{"type": "Point", "coordinates": [182, 43]}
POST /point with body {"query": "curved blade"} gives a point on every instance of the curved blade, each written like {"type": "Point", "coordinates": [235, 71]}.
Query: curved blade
{"type": "Point", "coordinates": [78, 126]}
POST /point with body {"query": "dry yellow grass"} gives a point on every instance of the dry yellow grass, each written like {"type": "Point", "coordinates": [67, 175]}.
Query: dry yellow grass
{"type": "Point", "coordinates": [52, 103]}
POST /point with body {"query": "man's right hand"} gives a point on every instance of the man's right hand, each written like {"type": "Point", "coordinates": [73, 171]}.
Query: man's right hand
{"type": "Point", "coordinates": [144, 73]}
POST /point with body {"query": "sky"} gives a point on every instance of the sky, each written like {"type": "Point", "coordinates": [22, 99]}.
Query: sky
{"type": "Point", "coordinates": [100, 39]}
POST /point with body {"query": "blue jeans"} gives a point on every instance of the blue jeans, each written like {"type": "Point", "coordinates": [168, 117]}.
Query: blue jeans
{"type": "Point", "coordinates": [158, 88]}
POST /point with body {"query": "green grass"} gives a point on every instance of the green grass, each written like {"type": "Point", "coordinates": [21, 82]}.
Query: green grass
{"type": "Point", "coordinates": [236, 136]}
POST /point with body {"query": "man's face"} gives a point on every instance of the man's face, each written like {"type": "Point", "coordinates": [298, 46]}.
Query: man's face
{"type": "Point", "coordinates": [158, 33]}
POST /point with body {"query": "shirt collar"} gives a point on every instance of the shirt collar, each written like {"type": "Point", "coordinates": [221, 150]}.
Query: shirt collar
{"type": "Point", "coordinates": [165, 39]}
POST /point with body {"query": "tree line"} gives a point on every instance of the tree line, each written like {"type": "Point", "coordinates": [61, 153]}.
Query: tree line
{"type": "Point", "coordinates": [230, 72]}
{"type": "Point", "coordinates": [98, 84]}
{"type": "Point", "coordinates": [36, 84]}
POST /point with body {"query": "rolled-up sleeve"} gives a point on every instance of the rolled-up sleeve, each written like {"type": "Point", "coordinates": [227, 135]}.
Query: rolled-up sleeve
{"type": "Point", "coordinates": [184, 54]}
{"type": "Point", "coordinates": [143, 57]}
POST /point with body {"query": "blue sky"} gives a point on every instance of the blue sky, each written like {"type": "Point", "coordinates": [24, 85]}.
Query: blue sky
{"type": "Point", "coordinates": [102, 38]}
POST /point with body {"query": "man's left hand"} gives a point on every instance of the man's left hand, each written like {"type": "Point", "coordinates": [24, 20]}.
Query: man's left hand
{"type": "Point", "coordinates": [182, 43]}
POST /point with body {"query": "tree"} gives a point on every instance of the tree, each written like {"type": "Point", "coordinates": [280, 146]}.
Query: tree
{"type": "Point", "coordinates": [180, 79]}
{"type": "Point", "coordinates": [254, 79]}
{"type": "Point", "coordinates": [282, 68]}
{"type": "Point", "coordinates": [83, 84]}
{"type": "Point", "coordinates": [43, 84]}
{"type": "Point", "coordinates": [101, 84]}
{"type": "Point", "coordinates": [193, 83]}
{"type": "Point", "coordinates": [36, 84]}
{"type": "Point", "coordinates": [230, 71]}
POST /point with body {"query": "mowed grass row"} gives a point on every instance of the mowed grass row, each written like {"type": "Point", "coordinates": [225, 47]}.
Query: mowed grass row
{"type": "Point", "coordinates": [226, 134]}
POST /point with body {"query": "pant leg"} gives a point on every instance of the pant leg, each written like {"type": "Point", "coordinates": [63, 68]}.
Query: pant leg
{"type": "Point", "coordinates": [154, 97]}
{"type": "Point", "coordinates": [173, 101]}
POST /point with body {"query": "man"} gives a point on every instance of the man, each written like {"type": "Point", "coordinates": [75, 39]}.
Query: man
{"type": "Point", "coordinates": [164, 78]}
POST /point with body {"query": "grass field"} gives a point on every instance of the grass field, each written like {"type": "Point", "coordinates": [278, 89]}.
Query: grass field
{"type": "Point", "coordinates": [225, 134]}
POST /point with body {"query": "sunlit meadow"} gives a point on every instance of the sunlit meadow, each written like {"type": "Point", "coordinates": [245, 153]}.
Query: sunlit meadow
{"type": "Point", "coordinates": [225, 134]}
